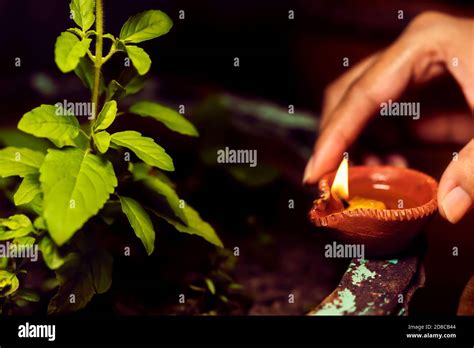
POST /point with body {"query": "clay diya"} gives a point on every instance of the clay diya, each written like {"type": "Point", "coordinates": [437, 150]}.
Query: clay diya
{"type": "Point", "coordinates": [384, 210]}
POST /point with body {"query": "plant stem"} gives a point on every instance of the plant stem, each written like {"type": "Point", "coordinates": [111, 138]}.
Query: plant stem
{"type": "Point", "coordinates": [99, 25]}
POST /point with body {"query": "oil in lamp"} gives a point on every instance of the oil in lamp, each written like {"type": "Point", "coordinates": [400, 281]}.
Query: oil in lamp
{"type": "Point", "coordinates": [382, 207]}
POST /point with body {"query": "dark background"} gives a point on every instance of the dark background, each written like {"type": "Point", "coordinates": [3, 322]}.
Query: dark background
{"type": "Point", "coordinates": [289, 61]}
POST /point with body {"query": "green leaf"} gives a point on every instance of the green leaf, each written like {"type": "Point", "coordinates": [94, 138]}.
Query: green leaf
{"type": "Point", "coordinates": [106, 116]}
{"type": "Point", "coordinates": [195, 226]}
{"type": "Point", "coordinates": [76, 31]}
{"type": "Point", "coordinates": [50, 252]}
{"type": "Point", "coordinates": [85, 71]}
{"type": "Point", "coordinates": [164, 189]}
{"type": "Point", "coordinates": [145, 149]}
{"type": "Point", "coordinates": [15, 226]}
{"type": "Point", "coordinates": [76, 184]}
{"type": "Point", "coordinates": [145, 26]}
{"type": "Point", "coordinates": [109, 36]}
{"type": "Point", "coordinates": [3, 262]}
{"type": "Point", "coordinates": [130, 82]}
{"type": "Point", "coordinates": [8, 283]}
{"type": "Point", "coordinates": [115, 90]}
{"type": "Point", "coordinates": [74, 279]}
{"type": "Point", "coordinates": [135, 84]}
{"type": "Point", "coordinates": [210, 286]}
{"type": "Point", "coordinates": [39, 223]}
{"type": "Point", "coordinates": [19, 161]}
{"type": "Point", "coordinates": [16, 222]}
{"type": "Point", "coordinates": [28, 189]}
{"type": "Point", "coordinates": [81, 142]}
{"type": "Point", "coordinates": [27, 295]}
{"type": "Point", "coordinates": [139, 170]}
{"type": "Point", "coordinates": [140, 59]}
{"type": "Point", "coordinates": [16, 138]}
{"type": "Point", "coordinates": [69, 50]}
{"type": "Point", "coordinates": [84, 276]}
{"type": "Point", "coordinates": [101, 265]}
{"type": "Point", "coordinates": [169, 117]}
{"type": "Point", "coordinates": [83, 13]}
{"type": "Point", "coordinates": [52, 122]}
{"type": "Point", "coordinates": [102, 141]}
{"type": "Point", "coordinates": [22, 241]}
{"type": "Point", "coordinates": [11, 234]}
{"type": "Point", "coordinates": [36, 205]}
{"type": "Point", "coordinates": [140, 222]}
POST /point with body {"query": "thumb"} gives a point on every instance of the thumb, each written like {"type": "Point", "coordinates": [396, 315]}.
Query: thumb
{"type": "Point", "coordinates": [456, 187]}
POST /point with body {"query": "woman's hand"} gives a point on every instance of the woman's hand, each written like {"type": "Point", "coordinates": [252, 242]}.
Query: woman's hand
{"type": "Point", "coordinates": [432, 44]}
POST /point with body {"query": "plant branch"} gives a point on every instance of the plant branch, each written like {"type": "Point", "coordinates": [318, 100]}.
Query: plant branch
{"type": "Point", "coordinates": [111, 53]}
{"type": "Point", "coordinates": [91, 56]}
{"type": "Point", "coordinates": [99, 24]}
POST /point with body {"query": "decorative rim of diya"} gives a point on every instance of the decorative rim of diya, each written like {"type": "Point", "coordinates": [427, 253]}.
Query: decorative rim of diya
{"type": "Point", "coordinates": [402, 214]}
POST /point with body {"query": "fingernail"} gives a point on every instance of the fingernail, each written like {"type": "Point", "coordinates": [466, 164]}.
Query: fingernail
{"type": "Point", "coordinates": [456, 203]}
{"type": "Point", "coordinates": [308, 169]}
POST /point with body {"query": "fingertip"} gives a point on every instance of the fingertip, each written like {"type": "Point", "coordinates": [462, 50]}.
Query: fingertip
{"type": "Point", "coordinates": [308, 171]}
{"type": "Point", "coordinates": [456, 204]}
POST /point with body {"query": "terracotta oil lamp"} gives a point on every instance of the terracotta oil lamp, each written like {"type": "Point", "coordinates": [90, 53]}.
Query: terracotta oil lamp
{"type": "Point", "coordinates": [384, 210]}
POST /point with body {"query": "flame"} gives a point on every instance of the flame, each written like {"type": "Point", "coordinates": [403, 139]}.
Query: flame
{"type": "Point", "coordinates": [340, 185]}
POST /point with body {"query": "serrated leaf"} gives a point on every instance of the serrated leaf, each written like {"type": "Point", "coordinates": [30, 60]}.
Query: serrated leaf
{"type": "Point", "coordinates": [145, 26]}
{"type": "Point", "coordinates": [140, 59]}
{"type": "Point", "coordinates": [8, 283]}
{"type": "Point", "coordinates": [83, 13]}
{"type": "Point", "coordinates": [75, 184]}
{"type": "Point", "coordinates": [85, 71]}
{"type": "Point", "coordinates": [169, 117]}
{"type": "Point", "coordinates": [140, 222]}
{"type": "Point", "coordinates": [48, 121]}
{"type": "Point", "coordinates": [195, 225]}
{"type": "Point", "coordinates": [19, 161]}
{"type": "Point", "coordinates": [28, 189]}
{"type": "Point", "coordinates": [102, 141]}
{"type": "Point", "coordinates": [106, 116]}
{"type": "Point", "coordinates": [145, 148]}
{"type": "Point", "coordinates": [69, 50]}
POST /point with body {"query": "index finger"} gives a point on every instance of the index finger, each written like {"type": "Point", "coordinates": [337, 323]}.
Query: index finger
{"type": "Point", "coordinates": [385, 79]}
